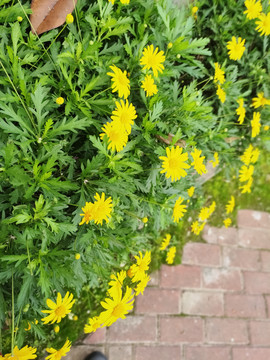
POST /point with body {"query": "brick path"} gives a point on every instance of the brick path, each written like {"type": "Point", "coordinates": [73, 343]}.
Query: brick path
{"type": "Point", "coordinates": [214, 306]}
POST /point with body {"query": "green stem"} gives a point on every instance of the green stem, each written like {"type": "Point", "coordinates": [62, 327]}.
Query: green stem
{"type": "Point", "coordinates": [12, 321]}
{"type": "Point", "coordinates": [28, 254]}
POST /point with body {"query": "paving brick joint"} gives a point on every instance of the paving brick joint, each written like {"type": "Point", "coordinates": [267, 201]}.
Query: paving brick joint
{"type": "Point", "coordinates": [215, 305]}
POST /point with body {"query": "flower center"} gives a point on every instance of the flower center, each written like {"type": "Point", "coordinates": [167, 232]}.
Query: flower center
{"type": "Point", "coordinates": [118, 310]}
{"type": "Point", "coordinates": [60, 310]}
{"type": "Point", "coordinates": [173, 163]}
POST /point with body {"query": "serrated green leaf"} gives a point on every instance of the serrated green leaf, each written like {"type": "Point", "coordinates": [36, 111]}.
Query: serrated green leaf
{"type": "Point", "coordinates": [23, 297]}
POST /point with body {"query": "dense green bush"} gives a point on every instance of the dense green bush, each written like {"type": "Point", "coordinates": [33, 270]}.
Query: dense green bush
{"type": "Point", "coordinates": [52, 160]}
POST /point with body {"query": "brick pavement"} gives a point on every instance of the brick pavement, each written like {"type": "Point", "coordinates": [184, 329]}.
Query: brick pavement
{"type": "Point", "coordinates": [215, 305]}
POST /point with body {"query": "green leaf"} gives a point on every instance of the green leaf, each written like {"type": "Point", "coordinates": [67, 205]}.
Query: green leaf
{"type": "Point", "coordinates": [97, 144]}
{"type": "Point", "coordinates": [23, 297]}
{"type": "Point", "coordinates": [53, 225]}
{"type": "Point", "coordinates": [38, 99]}
{"type": "Point", "coordinates": [73, 124]}
{"type": "Point", "coordinates": [15, 36]}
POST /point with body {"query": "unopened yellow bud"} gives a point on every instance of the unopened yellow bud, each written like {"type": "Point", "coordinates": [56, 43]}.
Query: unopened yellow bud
{"type": "Point", "coordinates": [56, 329]}
{"type": "Point", "coordinates": [266, 127]}
{"type": "Point", "coordinates": [75, 317]}
{"type": "Point", "coordinates": [59, 100]}
{"type": "Point", "coordinates": [145, 220]}
{"type": "Point", "coordinates": [77, 256]}
{"type": "Point", "coordinates": [130, 273]}
{"type": "Point", "coordinates": [170, 45]}
{"type": "Point", "coordinates": [69, 19]}
{"type": "Point", "coordinates": [19, 18]}
{"type": "Point", "coordinates": [178, 56]}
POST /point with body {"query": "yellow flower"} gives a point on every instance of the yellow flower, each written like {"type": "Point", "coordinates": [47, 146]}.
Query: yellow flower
{"type": "Point", "coordinates": [144, 220]}
{"type": "Point", "coordinates": [142, 285]}
{"type": "Point", "coordinates": [204, 214]}
{"type": "Point", "coordinates": [165, 242]}
{"type": "Point", "coordinates": [230, 206]}
{"type": "Point", "coordinates": [120, 82]}
{"type": "Point", "coordinates": [112, 1]}
{"type": "Point", "coordinates": [152, 59]}
{"type": "Point", "coordinates": [77, 256]}
{"type": "Point", "coordinates": [88, 213]}
{"type": "Point", "coordinates": [191, 191]}
{"type": "Point", "coordinates": [56, 329]}
{"type": "Point", "coordinates": [193, 11]}
{"type": "Point", "coordinates": [171, 255]}
{"type": "Point", "coordinates": [195, 227]}
{"type": "Point", "coordinates": [227, 222]}
{"type": "Point", "coordinates": [255, 156]}
{"type": "Point", "coordinates": [260, 100]}
{"type": "Point", "coordinates": [255, 124]}
{"type": "Point", "coordinates": [93, 324]}
{"type": "Point", "coordinates": [124, 115]}
{"type": "Point", "coordinates": [19, 18]}
{"type": "Point", "coordinates": [246, 157]}
{"type": "Point", "coordinates": [26, 353]}
{"type": "Point", "coordinates": [219, 74]}
{"type": "Point", "coordinates": [59, 310]}
{"type": "Point", "coordinates": [178, 210]}
{"type": "Point", "coordinates": [245, 173]}
{"type": "Point", "coordinates": [149, 86]}
{"type": "Point", "coordinates": [142, 265]}
{"type": "Point", "coordinates": [246, 188]}
{"type": "Point", "coordinates": [212, 208]}
{"type": "Point", "coordinates": [28, 327]}
{"type": "Point", "coordinates": [125, 2]}
{"type": "Point", "coordinates": [241, 111]}
{"type": "Point", "coordinates": [116, 136]}
{"type": "Point", "coordinates": [253, 9]}
{"type": "Point", "coordinates": [266, 127]}
{"type": "Point", "coordinates": [58, 354]}
{"type": "Point", "coordinates": [69, 19]}
{"type": "Point", "coordinates": [236, 48]}
{"type": "Point", "coordinates": [59, 100]}
{"type": "Point", "coordinates": [221, 94]}
{"type": "Point", "coordinates": [216, 161]}
{"type": "Point", "coordinates": [117, 281]}
{"type": "Point", "coordinates": [102, 208]}
{"type": "Point", "coordinates": [117, 307]}
{"type": "Point", "coordinates": [174, 164]}
{"type": "Point", "coordinates": [263, 24]}
{"type": "Point", "coordinates": [198, 161]}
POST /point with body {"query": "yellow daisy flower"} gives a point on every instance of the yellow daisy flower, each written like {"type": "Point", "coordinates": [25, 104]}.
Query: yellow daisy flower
{"type": "Point", "coordinates": [204, 214]}
{"type": "Point", "coordinates": [190, 191]}
{"type": "Point", "coordinates": [198, 161]}
{"type": "Point", "coordinates": [116, 307]}
{"type": "Point", "coordinates": [263, 24]}
{"type": "Point", "coordinates": [236, 48]}
{"type": "Point", "coordinates": [102, 208]}
{"type": "Point", "coordinates": [260, 100]}
{"type": "Point", "coordinates": [124, 115]}
{"type": "Point", "coordinates": [219, 74]}
{"type": "Point", "coordinates": [174, 163]}
{"type": "Point", "coordinates": [142, 265]}
{"type": "Point", "coordinates": [26, 353]}
{"type": "Point", "coordinates": [212, 208]}
{"type": "Point", "coordinates": [241, 111]}
{"type": "Point", "coordinates": [227, 222]}
{"type": "Point", "coordinates": [149, 86]}
{"type": "Point", "coordinates": [142, 285]}
{"type": "Point", "coordinates": [152, 59]}
{"type": "Point", "coordinates": [58, 354]}
{"type": "Point", "coordinates": [59, 310]}
{"type": "Point", "coordinates": [92, 326]}
{"type": "Point", "coordinates": [245, 173]}
{"type": "Point", "coordinates": [125, 2]}
{"type": "Point", "coordinates": [246, 188]}
{"type": "Point", "coordinates": [120, 82]}
{"type": "Point", "coordinates": [88, 213]}
{"type": "Point", "coordinates": [178, 210]}
{"type": "Point", "coordinates": [254, 8]}
{"type": "Point", "coordinates": [246, 157]}
{"type": "Point", "coordinates": [165, 242]}
{"type": "Point", "coordinates": [116, 136]}
{"type": "Point", "coordinates": [255, 124]}
{"type": "Point", "coordinates": [195, 227]}
{"type": "Point", "coordinates": [117, 281]}
{"type": "Point", "coordinates": [171, 255]}
{"type": "Point", "coordinates": [230, 206]}
{"type": "Point", "coordinates": [221, 94]}
{"type": "Point", "coordinates": [216, 161]}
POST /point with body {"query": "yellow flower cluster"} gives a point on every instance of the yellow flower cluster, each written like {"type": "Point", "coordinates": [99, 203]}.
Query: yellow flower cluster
{"type": "Point", "coordinates": [198, 225]}
{"type": "Point", "coordinates": [172, 250]}
{"type": "Point", "coordinates": [249, 157]}
{"type": "Point", "coordinates": [219, 78]}
{"type": "Point", "coordinates": [98, 211]}
{"type": "Point", "coordinates": [241, 111]}
{"type": "Point", "coordinates": [254, 11]}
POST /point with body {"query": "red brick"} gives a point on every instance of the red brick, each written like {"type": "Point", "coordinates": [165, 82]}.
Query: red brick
{"type": "Point", "coordinates": [248, 353]}
{"type": "Point", "coordinates": [117, 352]}
{"type": "Point", "coordinates": [228, 236]}
{"type": "Point", "coordinates": [180, 276]}
{"type": "Point", "coordinates": [226, 331]}
{"type": "Point", "coordinates": [158, 301]}
{"type": "Point", "coordinates": [207, 353]}
{"type": "Point", "coordinates": [257, 282]}
{"type": "Point", "coordinates": [210, 234]}
{"type": "Point", "coordinates": [133, 329]}
{"type": "Point", "coordinates": [265, 260]}
{"type": "Point", "coordinates": [154, 279]}
{"type": "Point", "coordinates": [242, 258]}
{"type": "Point", "coordinates": [202, 303]}
{"type": "Point", "coordinates": [97, 337]}
{"type": "Point", "coordinates": [174, 330]}
{"type": "Point", "coordinates": [201, 254]}
{"type": "Point", "coordinates": [244, 306]}
{"type": "Point", "coordinates": [254, 238]}
{"type": "Point", "coordinates": [225, 279]}
{"type": "Point", "coordinates": [253, 219]}
{"type": "Point", "coordinates": [260, 333]}
{"type": "Point", "coordinates": [156, 352]}
{"type": "Point", "coordinates": [267, 298]}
